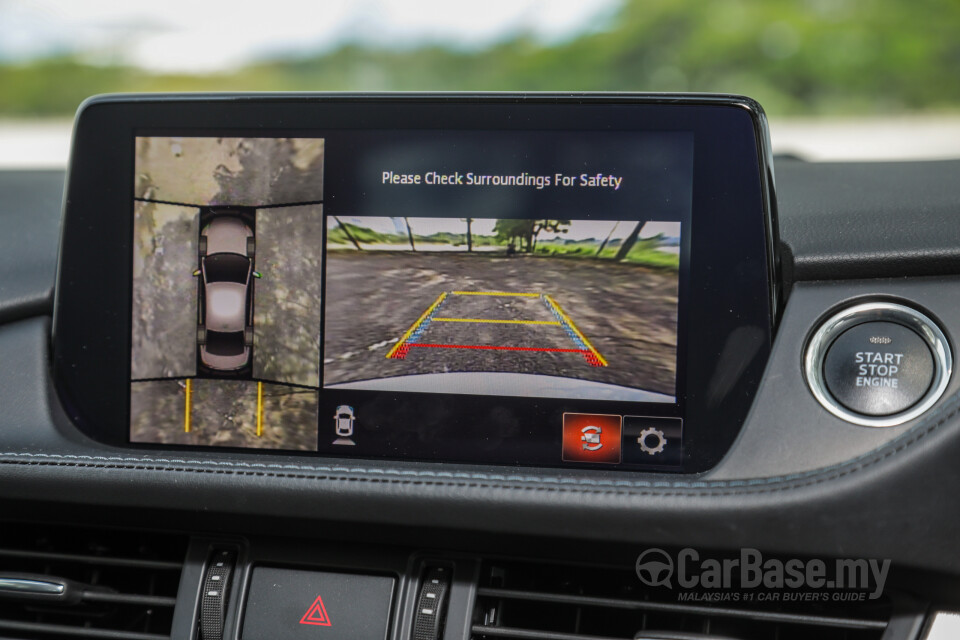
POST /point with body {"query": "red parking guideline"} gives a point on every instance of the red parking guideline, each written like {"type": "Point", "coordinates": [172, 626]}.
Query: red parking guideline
{"type": "Point", "coordinates": [496, 347]}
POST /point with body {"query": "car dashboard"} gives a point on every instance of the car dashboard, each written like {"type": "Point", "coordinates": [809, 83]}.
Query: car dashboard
{"type": "Point", "coordinates": [174, 542]}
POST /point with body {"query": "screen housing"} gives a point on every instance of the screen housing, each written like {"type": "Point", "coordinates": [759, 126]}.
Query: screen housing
{"type": "Point", "coordinates": [732, 289]}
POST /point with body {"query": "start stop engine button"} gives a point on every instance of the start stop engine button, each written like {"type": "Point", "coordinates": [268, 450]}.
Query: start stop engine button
{"type": "Point", "coordinates": [878, 364]}
{"type": "Point", "coordinates": [878, 368]}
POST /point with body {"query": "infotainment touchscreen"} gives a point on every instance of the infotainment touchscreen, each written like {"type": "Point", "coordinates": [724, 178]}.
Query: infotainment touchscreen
{"type": "Point", "coordinates": [496, 295]}
{"type": "Point", "coordinates": [272, 307]}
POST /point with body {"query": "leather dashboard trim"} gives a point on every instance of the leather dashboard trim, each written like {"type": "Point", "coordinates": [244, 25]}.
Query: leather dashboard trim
{"type": "Point", "coordinates": [358, 473]}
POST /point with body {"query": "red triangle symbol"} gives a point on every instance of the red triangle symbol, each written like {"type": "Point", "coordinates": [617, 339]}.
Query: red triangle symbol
{"type": "Point", "coordinates": [316, 614]}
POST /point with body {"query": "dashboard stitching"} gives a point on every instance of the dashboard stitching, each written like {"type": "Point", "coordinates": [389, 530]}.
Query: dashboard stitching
{"type": "Point", "coordinates": [462, 484]}
{"type": "Point", "coordinates": [478, 479]}
{"type": "Point", "coordinates": [944, 413]}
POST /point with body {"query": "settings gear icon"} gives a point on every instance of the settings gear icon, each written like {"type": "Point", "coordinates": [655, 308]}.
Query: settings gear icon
{"type": "Point", "coordinates": [654, 435]}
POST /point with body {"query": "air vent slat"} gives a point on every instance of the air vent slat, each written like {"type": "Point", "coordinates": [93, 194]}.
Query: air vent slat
{"type": "Point", "coordinates": [529, 600]}
{"type": "Point", "coordinates": [117, 585]}
{"type": "Point", "coordinates": [129, 598]}
{"type": "Point", "coordinates": [527, 634]}
{"type": "Point", "coordinates": [646, 605]}
{"type": "Point", "coordinates": [128, 563]}
{"type": "Point", "coordinates": [59, 630]}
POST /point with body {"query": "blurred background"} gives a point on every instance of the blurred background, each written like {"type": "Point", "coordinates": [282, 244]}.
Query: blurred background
{"type": "Point", "coordinates": [840, 79]}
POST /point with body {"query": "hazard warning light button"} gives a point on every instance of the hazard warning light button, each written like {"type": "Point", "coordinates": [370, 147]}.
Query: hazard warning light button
{"type": "Point", "coordinates": [287, 604]}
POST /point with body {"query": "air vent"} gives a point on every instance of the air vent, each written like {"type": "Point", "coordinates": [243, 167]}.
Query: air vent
{"type": "Point", "coordinates": [532, 601]}
{"type": "Point", "coordinates": [124, 584]}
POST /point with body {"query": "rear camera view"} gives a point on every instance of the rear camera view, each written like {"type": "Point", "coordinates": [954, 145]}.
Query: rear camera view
{"type": "Point", "coordinates": [227, 291]}
{"type": "Point", "coordinates": [581, 309]}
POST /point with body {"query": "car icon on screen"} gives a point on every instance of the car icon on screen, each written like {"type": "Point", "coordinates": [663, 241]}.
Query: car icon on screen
{"type": "Point", "coordinates": [343, 419]}
{"type": "Point", "coordinates": [225, 324]}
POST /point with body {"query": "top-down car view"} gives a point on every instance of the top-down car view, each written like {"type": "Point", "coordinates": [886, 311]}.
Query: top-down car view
{"type": "Point", "coordinates": [225, 331]}
{"type": "Point", "coordinates": [290, 350]}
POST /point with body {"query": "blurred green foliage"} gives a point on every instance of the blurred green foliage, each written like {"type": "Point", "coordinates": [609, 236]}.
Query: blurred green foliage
{"type": "Point", "coordinates": [795, 56]}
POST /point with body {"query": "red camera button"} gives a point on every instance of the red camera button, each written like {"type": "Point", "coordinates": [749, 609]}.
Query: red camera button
{"type": "Point", "coordinates": [591, 437]}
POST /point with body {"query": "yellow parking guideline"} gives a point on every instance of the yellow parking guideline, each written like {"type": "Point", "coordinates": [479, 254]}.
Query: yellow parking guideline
{"type": "Point", "coordinates": [492, 321]}
{"type": "Point", "coordinates": [495, 293]}
{"type": "Point", "coordinates": [583, 338]}
{"type": "Point", "coordinates": [413, 327]}
{"type": "Point", "coordinates": [259, 408]}
{"type": "Point", "coordinates": [186, 407]}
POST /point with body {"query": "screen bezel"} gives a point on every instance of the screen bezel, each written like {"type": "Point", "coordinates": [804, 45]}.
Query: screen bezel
{"type": "Point", "coordinates": [732, 291]}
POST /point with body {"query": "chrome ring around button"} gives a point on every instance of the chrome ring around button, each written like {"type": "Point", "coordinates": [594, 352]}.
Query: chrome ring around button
{"type": "Point", "coordinates": [926, 328]}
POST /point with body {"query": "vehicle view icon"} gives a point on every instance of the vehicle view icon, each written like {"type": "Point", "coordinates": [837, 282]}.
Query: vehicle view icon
{"type": "Point", "coordinates": [343, 419]}
{"type": "Point", "coordinates": [225, 325]}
